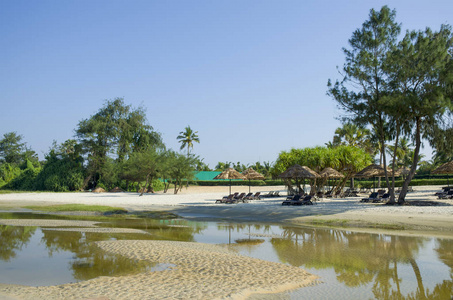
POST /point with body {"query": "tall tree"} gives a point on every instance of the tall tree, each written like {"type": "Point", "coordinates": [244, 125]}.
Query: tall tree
{"type": "Point", "coordinates": [12, 148]}
{"type": "Point", "coordinates": [116, 130]}
{"type": "Point", "coordinates": [421, 76]}
{"type": "Point", "coordinates": [187, 138]}
{"type": "Point", "coordinates": [364, 82]}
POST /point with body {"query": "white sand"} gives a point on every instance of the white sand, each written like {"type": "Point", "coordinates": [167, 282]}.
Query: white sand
{"type": "Point", "coordinates": [208, 271]}
{"type": "Point", "coordinates": [199, 202]}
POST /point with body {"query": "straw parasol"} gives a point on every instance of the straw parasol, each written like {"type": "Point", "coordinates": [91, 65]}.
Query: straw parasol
{"type": "Point", "coordinates": [230, 173]}
{"type": "Point", "coordinates": [252, 174]}
{"type": "Point", "coordinates": [297, 172]}
{"type": "Point", "coordinates": [374, 171]}
{"type": "Point", "coordinates": [330, 173]}
{"type": "Point", "coordinates": [446, 168]}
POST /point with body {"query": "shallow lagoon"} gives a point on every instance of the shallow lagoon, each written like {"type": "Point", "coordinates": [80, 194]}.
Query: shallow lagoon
{"type": "Point", "coordinates": [351, 265]}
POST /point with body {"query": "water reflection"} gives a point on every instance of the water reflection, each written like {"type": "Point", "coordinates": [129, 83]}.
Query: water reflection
{"type": "Point", "coordinates": [173, 230]}
{"type": "Point", "coordinates": [88, 261]}
{"type": "Point", "coordinates": [371, 265]}
{"type": "Point", "coordinates": [360, 259]}
{"type": "Point", "coordinates": [13, 239]}
{"type": "Point", "coordinates": [76, 249]}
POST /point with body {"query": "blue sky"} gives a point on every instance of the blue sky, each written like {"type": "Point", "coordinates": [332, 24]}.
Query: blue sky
{"type": "Point", "coordinates": [249, 76]}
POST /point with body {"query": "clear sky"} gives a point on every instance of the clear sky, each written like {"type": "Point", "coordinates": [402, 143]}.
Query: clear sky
{"type": "Point", "coordinates": [249, 75]}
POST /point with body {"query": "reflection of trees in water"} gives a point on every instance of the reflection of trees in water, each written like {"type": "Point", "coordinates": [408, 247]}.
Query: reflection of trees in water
{"type": "Point", "coordinates": [12, 239]}
{"type": "Point", "coordinates": [360, 258]}
{"type": "Point", "coordinates": [175, 230]}
{"type": "Point", "coordinates": [90, 261]}
{"type": "Point", "coordinates": [244, 228]}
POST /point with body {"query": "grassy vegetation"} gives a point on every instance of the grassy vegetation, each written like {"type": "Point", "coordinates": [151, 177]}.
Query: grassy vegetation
{"type": "Point", "coordinates": [79, 207]}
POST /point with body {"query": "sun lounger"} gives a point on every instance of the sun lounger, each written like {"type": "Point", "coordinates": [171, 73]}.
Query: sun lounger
{"type": "Point", "coordinates": [447, 195]}
{"type": "Point", "coordinates": [225, 199]}
{"type": "Point", "coordinates": [248, 195]}
{"type": "Point", "coordinates": [384, 198]}
{"type": "Point", "coordinates": [253, 197]}
{"type": "Point", "coordinates": [372, 197]}
{"type": "Point", "coordinates": [351, 193]}
{"type": "Point", "coordinates": [291, 200]}
{"type": "Point", "coordinates": [240, 198]}
{"type": "Point", "coordinates": [296, 200]}
{"type": "Point", "coordinates": [269, 194]}
{"type": "Point", "coordinates": [445, 190]}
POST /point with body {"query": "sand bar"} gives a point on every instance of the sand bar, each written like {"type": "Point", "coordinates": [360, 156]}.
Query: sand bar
{"type": "Point", "coordinates": [200, 271]}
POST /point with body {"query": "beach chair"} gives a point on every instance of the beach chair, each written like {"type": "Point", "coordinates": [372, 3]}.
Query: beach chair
{"type": "Point", "coordinates": [381, 192]}
{"type": "Point", "coordinates": [372, 197]}
{"type": "Point", "coordinates": [292, 200]}
{"type": "Point", "coordinates": [384, 198]}
{"type": "Point", "coordinates": [225, 199]}
{"type": "Point", "coordinates": [241, 195]}
{"type": "Point", "coordinates": [269, 194]}
{"type": "Point", "coordinates": [248, 196]}
{"type": "Point", "coordinates": [307, 200]}
{"type": "Point", "coordinates": [447, 195]}
{"type": "Point", "coordinates": [297, 200]}
{"type": "Point", "coordinates": [240, 198]}
{"type": "Point", "coordinates": [253, 197]}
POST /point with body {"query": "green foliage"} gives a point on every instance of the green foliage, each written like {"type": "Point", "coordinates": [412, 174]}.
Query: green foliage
{"type": "Point", "coordinates": [63, 170]}
{"type": "Point", "coordinates": [11, 148]}
{"type": "Point", "coordinates": [116, 129]}
{"type": "Point", "coordinates": [8, 173]}
{"type": "Point", "coordinates": [25, 180]}
{"type": "Point", "coordinates": [346, 159]}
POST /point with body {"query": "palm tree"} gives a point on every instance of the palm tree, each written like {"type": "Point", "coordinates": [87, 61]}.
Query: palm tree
{"type": "Point", "coordinates": [187, 137]}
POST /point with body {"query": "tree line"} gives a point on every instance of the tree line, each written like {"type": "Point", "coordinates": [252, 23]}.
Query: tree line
{"type": "Point", "coordinates": [114, 147]}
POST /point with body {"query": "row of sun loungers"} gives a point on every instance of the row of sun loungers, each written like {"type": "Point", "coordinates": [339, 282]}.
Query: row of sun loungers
{"type": "Point", "coordinates": [271, 194]}
{"type": "Point", "coordinates": [236, 198]}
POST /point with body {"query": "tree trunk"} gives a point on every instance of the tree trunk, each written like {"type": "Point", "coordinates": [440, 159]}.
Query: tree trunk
{"type": "Point", "coordinates": [392, 190]}
{"type": "Point", "coordinates": [382, 140]}
{"type": "Point", "coordinates": [146, 184]}
{"type": "Point", "coordinates": [402, 196]}
{"type": "Point", "coordinates": [85, 182]}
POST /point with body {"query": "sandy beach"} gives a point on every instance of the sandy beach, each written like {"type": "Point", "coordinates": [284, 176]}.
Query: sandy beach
{"type": "Point", "coordinates": [201, 271]}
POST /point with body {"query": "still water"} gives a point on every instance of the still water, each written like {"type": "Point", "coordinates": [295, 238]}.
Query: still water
{"type": "Point", "coordinates": [350, 265]}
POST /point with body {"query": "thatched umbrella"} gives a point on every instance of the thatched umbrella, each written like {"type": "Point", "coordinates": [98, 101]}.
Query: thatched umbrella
{"type": "Point", "coordinates": [331, 173]}
{"type": "Point", "coordinates": [251, 174]}
{"type": "Point", "coordinates": [446, 168]}
{"type": "Point", "coordinates": [374, 171]}
{"type": "Point", "coordinates": [298, 172]}
{"type": "Point", "coordinates": [230, 173]}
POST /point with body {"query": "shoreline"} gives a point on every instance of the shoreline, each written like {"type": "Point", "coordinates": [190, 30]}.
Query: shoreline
{"type": "Point", "coordinates": [198, 203]}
